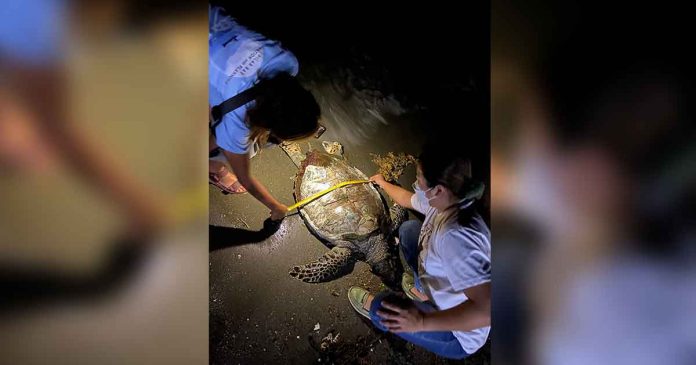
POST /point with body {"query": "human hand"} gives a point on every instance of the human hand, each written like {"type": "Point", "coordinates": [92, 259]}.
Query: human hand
{"type": "Point", "coordinates": [279, 212]}
{"type": "Point", "coordinates": [399, 319]}
{"type": "Point", "coordinates": [378, 179]}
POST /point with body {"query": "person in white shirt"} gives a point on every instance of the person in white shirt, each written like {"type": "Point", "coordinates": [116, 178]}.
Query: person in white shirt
{"type": "Point", "coordinates": [450, 255]}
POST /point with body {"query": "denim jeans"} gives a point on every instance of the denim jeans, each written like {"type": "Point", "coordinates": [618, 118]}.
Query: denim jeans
{"type": "Point", "coordinates": [442, 343]}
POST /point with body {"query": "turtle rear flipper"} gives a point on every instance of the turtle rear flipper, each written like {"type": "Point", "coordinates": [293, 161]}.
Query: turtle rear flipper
{"type": "Point", "coordinates": [331, 265]}
{"type": "Point", "coordinates": [389, 270]}
{"type": "Point", "coordinates": [398, 216]}
{"type": "Point", "coordinates": [383, 262]}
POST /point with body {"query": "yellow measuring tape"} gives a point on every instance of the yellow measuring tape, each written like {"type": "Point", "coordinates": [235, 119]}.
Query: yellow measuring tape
{"type": "Point", "coordinates": [324, 192]}
{"type": "Point", "coordinates": [194, 202]}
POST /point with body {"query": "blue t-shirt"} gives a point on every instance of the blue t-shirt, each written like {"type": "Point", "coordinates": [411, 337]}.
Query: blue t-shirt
{"type": "Point", "coordinates": [238, 59]}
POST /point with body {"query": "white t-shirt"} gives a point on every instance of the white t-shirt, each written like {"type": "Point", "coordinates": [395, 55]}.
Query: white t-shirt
{"type": "Point", "coordinates": [453, 258]}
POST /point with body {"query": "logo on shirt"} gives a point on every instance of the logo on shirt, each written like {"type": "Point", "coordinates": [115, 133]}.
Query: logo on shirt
{"type": "Point", "coordinates": [222, 24]}
{"type": "Point", "coordinates": [246, 60]}
{"type": "Point", "coordinates": [220, 20]}
{"type": "Point", "coordinates": [481, 263]}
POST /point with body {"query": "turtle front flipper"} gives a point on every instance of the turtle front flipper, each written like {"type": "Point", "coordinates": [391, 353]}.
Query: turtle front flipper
{"type": "Point", "coordinates": [331, 265]}
{"type": "Point", "coordinates": [294, 151]}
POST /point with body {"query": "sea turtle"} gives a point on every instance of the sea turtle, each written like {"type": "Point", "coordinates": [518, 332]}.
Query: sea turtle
{"type": "Point", "coordinates": [354, 221]}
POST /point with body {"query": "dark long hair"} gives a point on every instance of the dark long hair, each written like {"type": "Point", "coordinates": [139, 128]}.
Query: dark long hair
{"type": "Point", "coordinates": [283, 108]}
{"type": "Point", "coordinates": [449, 167]}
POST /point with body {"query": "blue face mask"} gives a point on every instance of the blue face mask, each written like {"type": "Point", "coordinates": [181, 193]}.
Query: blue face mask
{"type": "Point", "coordinates": [462, 203]}
{"type": "Point", "coordinates": [420, 192]}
